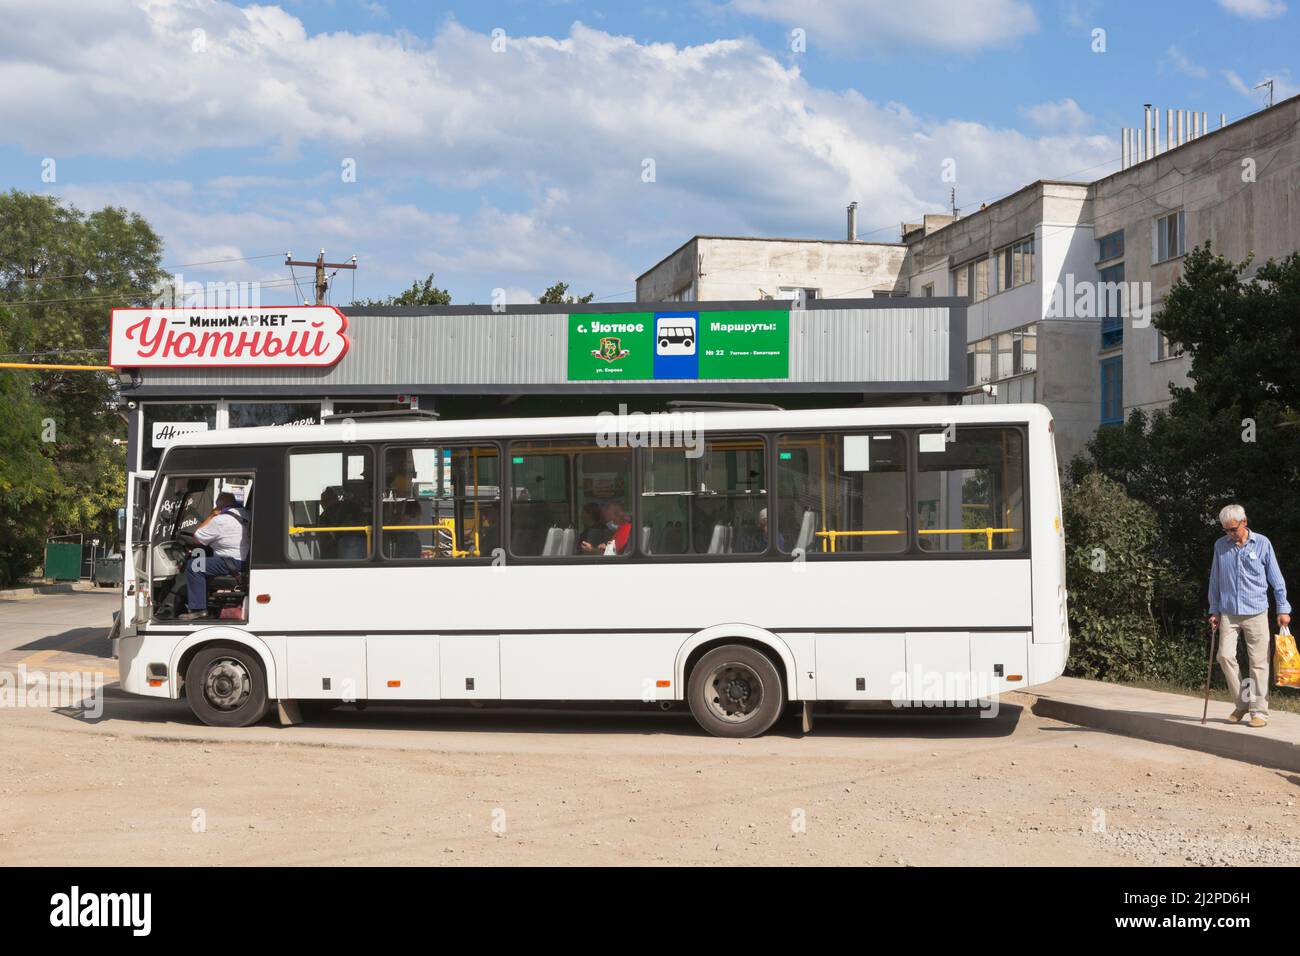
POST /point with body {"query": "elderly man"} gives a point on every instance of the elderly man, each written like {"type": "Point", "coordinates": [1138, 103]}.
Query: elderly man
{"type": "Point", "coordinates": [1244, 568]}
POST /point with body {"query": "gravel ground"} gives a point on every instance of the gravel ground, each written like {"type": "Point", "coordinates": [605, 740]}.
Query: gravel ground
{"type": "Point", "coordinates": [145, 784]}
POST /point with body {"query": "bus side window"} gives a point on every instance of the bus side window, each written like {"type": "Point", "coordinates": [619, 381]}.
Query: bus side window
{"type": "Point", "coordinates": [842, 493]}
{"type": "Point", "coordinates": [331, 505]}
{"type": "Point", "coordinates": [570, 497]}
{"type": "Point", "coordinates": [970, 490]}
{"type": "Point", "coordinates": [441, 503]}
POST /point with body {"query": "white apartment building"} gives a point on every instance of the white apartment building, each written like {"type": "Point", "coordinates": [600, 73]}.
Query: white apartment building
{"type": "Point", "coordinates": [1048, 320]}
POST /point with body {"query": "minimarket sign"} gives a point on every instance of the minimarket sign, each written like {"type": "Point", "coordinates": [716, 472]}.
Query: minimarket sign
{"type": "Point", "coordinates": [680, 345]}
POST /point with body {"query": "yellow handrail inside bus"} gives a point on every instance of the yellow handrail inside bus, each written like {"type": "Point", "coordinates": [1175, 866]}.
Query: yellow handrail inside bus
{"type": "Point", "coordinates": [297, 529]}
{"type": "Point", "coordinates": [987, 532]}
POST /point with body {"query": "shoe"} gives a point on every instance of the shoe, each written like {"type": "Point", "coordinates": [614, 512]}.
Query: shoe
{"type": "Point", "coordinates": [1237, 714]}
{"type": "Point", "coordinates": [1258, 720]}
{"type": "Point", "coordinates": [192, 616]}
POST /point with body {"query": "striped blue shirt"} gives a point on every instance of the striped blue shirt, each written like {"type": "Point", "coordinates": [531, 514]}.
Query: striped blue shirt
{"type": "Point", "coordinates": [1240, 577]}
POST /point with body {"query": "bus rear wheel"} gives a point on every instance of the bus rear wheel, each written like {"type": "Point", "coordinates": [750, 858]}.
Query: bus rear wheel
{"type": "Point", "coordinates": [226, 687]}
{"type": "Point", "coordinates": [735, 691]}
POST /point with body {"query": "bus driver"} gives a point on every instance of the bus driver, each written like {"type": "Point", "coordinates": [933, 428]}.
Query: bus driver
{"type": "Point", "coordinates": [225, 532]}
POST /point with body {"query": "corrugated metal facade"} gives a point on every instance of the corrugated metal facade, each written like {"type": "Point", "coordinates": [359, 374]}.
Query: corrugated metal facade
{"type": "Point", "coordinates": [878, 344]}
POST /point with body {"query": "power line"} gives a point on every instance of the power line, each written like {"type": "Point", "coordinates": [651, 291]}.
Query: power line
{"type": "Point", "coordinates": [166, 268]}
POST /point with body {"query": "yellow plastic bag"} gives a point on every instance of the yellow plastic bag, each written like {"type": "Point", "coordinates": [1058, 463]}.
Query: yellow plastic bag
{"type": "Point", "coordinates": [1286, 660]}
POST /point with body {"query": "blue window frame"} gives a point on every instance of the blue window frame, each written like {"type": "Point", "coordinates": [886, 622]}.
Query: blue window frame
{"type": "Point", "coordinates": [1111, 246]}
{"type": "Point", "coordinates": [1112, 390]}
{"type": "Point", "coordinates": [1110, 305]}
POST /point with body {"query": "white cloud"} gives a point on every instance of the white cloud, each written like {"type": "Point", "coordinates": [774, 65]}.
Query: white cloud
{"type": "Point", "coordinates": [1282, 86]}
{"type": "Point", "coordinates": [1184, 64]}
{"type": "Point", "coordinates": [958, 25]}
{"type": "Point", "coordinates": [548, 139]}
{"type": "Point", "coordinates": [1254, 9]}
{"type": "Point", "coordinates": [1062, 116]}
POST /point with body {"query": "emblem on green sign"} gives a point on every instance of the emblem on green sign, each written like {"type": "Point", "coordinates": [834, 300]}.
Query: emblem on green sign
{"type": "Point", "coordinates": [611, 350]}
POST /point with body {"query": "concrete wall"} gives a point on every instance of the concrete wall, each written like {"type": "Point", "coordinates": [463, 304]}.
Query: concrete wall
{"type": "Point", "coordinates": [742, 269]}
{"type": "Point", "coordinates": [673, 278]}
{"type": "Point", "coordinates": [1204, 178]}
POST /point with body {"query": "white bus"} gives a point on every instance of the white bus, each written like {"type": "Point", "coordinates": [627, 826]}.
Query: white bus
{"type": "Point", "coordinates": [745, 562]}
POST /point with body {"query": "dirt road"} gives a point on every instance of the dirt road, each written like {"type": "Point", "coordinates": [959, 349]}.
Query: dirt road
{"type": "Point", "coordinates": [145, 784]}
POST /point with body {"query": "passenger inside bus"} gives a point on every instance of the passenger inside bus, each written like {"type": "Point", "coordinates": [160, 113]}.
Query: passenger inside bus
{"type": "Point", "coordinates": [619, 524]}
{"type": "Point", "coordinates": [595, 531]}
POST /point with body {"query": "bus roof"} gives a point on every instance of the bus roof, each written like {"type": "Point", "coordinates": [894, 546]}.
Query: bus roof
{"type": "Point", "coordinates": [703, 421]}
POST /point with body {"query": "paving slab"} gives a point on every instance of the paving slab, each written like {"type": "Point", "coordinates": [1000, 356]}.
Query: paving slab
{"type": "Point", "coordinates": [1170, 719]}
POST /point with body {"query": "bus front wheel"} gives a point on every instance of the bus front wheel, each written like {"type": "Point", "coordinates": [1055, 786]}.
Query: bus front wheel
{"type": "Point", "coordinates": [226, 687]}
{"type": "Point", "coordinates": [735, 691]}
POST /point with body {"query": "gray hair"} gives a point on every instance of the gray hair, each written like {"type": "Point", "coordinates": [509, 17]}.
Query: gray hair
{"type": "Point", "coordinates": [1235, 513]}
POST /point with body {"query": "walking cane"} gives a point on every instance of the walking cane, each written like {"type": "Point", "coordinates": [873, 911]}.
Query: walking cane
{"type": "Point", "coordinates": [1209, 672]}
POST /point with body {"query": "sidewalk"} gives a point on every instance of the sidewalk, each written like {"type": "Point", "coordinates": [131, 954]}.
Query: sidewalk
{"type": "Point", "coordinates": [17, 594]}
{"type": "Point", "coordinates": [1170, 719]}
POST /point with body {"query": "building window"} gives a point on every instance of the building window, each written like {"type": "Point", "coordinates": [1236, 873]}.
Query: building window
{"type": "Point", "coordinates": [1165, 349]}
{"type": "Point", "coordinates": [982, 289]}
{"type": "Point", "coordinates": [1112, 390]}
{"type": "Point", "coordinates": [1110, 305]}
{"type": "Point", "coordinates": [961, 281]}
{"type": "Point", "coordinates": [254, 414]}
{"type": "Point", "coordinates": [1111, 246]}
{"type": "Point", "coordinates": [1004, 363]}
{"type": "Point", "coordinates": [163, 421]}
{"type": "Point", "coordinates": [793, 292]}
{"type": "Point", "coordinates": [927, 290]}
{"type": "Point", "coordinates": [1168, 236]}
{"type": "Point", "coordinates": [331, 505]}
{"type": "Point", "coordinates": [1014, 265]}
{"type": "Point", "coordinates": [842, 494]}
{"type": "Point", "coordinates": [979, 364]}
{"type": "Point", "coordinates": [361, 406]}
{"type": "Point", "coordinates": [1026, 349]}
{"type": "Point", "coordinates": [970, 491]}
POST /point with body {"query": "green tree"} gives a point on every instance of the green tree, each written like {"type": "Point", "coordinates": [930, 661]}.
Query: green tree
{"type": "Point", "coordinates": [421, 292]}
{"type": "Point", "coordinates": [27, 477]}
{"type": "Point", "coordinates": [557, 295]}
{"type": "Point", "coordinates": [1231, 436]}
{"type": "Point", "coordinates": [61, 272]}
{"type": "Point", "coordinates": [1113, 571]}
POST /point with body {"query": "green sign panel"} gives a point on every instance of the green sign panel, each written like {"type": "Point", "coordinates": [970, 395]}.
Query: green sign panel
{"type": "Point", "coordinates": [680, 345]}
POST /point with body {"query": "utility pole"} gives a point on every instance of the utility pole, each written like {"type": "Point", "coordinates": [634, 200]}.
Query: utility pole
{"type": "Point", "coordinates": [322, 283]}
{"type": "Point", "coordinates": [1269, 84]}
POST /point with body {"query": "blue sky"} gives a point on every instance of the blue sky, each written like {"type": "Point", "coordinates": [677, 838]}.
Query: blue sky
{"type": "Point", "coordinates": [510, 164]}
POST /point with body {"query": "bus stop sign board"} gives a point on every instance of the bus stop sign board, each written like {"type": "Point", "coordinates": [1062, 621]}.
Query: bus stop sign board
{"type": "Point", "coordinates": [680, 345]}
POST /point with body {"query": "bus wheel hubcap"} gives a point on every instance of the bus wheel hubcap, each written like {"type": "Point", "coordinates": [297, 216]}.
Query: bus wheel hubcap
{"type": "Point", "coordinates": [227, 684]}
{"type": "Point", "coordinates": [734, 692]}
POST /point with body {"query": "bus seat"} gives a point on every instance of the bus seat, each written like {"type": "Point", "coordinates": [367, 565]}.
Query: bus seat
{"type": "Point", "coordinates": [568, 541]}
{"type": "Point", "coordinates": [806, 529]}
{"type": "Point", "coordinates": [554, 535]}
{"type": "Point", "coordinates": [647, 534]}
{"type": "Point", "coordinates": [718, 543]}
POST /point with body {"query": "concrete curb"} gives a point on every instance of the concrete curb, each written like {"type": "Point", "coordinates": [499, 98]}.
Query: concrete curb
{"type": "Point", "coordinates": [1218, 739]}
{"type": "Point", "coordinates": [18, 594]}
